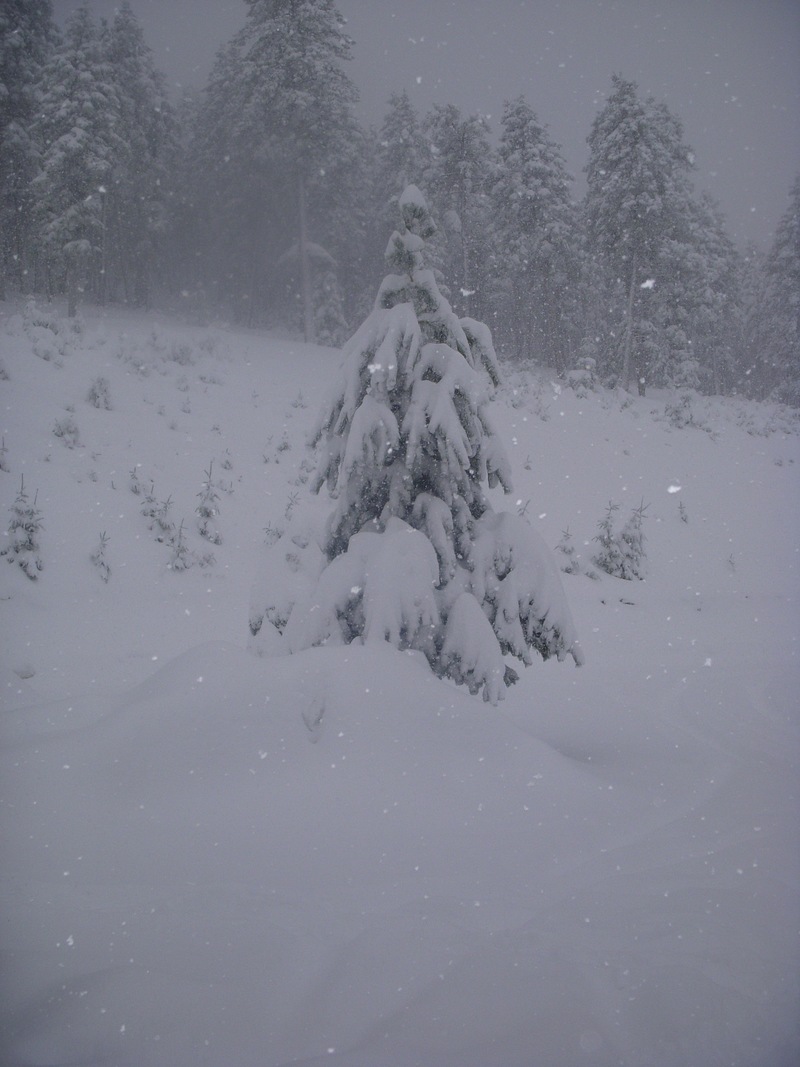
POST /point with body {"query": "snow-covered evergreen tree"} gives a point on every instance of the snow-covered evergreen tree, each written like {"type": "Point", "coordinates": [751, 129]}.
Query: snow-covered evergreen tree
{"type": "Point", "coordinates": [457, 179]}
{"type": "Point", "coordinates": [783, 274]}
{"type": "Point", "coordinates": [136, 208]}
{"type": "Point", "coordinates": [27, 38]}
{"type": "Point", "coordinates": [276, 122]}
{"type": "Point", "coordinates": [753, 368]}
{"type": "Point", "coordinates": [416, 555]}
{"type": "Point", "coordinates": [77, 126]}
{"type": "Point", "coordinates": [537, 240]}
{"type": "Point", "coordinates": [621, 554]}
{"type": "Point", "coordinates": [404, 152]}
{"type": "Point", "coordinates": [207, 510]}
{"type": "Point", "coordinates": [636, 204]}
{"type": "Point", "coordinates": [23, 531]}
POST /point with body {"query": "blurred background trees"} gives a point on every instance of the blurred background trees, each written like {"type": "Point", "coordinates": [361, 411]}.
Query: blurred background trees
{"type": "Point", "coordinates": [263, 199]}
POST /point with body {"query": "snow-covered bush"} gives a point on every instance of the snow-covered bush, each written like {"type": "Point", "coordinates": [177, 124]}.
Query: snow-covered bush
{"type": "Point", "coordinates": [414, 553]}
{"type": "Point", "coordinates": [45, 331]}
{"type": "Point", "coordinates": [99, 394]}
{"type": "Point", "coordinates": [583, 378]}
{"type": "Point", "coordinates": [66, 430]}
{"type": "Point", "coordinates": [23, 531]}
{"type": "Point", "coordinates": [181, 353]}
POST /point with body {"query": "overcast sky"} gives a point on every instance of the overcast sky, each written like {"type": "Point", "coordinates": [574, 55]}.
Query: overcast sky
{"type": "Point", "coordinates": [730, 69]}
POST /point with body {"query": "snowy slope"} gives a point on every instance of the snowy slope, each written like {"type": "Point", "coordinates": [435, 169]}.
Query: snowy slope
{"type": "Point", "coordinates": [211, 858]}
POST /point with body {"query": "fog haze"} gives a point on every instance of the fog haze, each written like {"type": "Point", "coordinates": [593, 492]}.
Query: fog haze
{"type": "Point", "coordinates": [729, 69]}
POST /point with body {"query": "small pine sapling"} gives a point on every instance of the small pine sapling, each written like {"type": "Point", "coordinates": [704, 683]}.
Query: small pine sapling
{"type": "Point", "coordinates": [162, 524]}
{"type": "Point", "coordinates": [566, 547]}
{"type": "Point", "coordinates": [98, 558]}
{"type": "Point", "coordinates": [632, 544]}
{"type": "Point", "coordinates": [24, 528]}
{"type": "Point", "coordinates": [609, 555]}
{"type": "Point", "coordinates": [3, 454]}
{"type": "Point", "coordinates": [208, 509]}
{"type": "Point", "coordinates": [622, 554]}
{"type": "Point", "coordinates": [182, 557]}
{"type": "Point", "coordinates": [684, 514]}
{"type": "Point", "coordinates": [149, 503]}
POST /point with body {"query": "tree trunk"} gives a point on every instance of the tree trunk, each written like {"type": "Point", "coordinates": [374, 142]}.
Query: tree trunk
{"type": "Point", "coordinates": [305, 269]}
{"type": "Point", "coordinates": [72, 287]}
{"type": "Point", "coordinates": [626, 359]}
{"type": "Point", "coordinates": [102, 287]}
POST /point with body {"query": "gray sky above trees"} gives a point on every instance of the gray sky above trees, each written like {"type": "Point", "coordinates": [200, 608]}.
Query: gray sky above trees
{"type": "Point", "coordinates": [730, 69]}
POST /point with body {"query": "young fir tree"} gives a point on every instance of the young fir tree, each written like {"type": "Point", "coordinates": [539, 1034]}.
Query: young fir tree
{"type": "Point", "coordinates": [23, 530]}
{"type": "Point", "coordinates": [622, 554]}
{"type": "Point", "coordinates": [416, 555]}
{"type": "Point", "coordinates": [207, 511]}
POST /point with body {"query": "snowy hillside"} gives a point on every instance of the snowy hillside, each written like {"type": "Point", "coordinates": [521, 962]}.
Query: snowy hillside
{"type": "Point", "coordinates": [211, 857]}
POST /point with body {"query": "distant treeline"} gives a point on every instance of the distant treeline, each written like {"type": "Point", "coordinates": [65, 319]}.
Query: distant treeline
{"type": "Point", "coordinates": [264, 199]}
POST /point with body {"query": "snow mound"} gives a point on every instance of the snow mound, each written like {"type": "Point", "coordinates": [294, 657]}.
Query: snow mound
{"type": "Point", "coordinates": [337, 856]}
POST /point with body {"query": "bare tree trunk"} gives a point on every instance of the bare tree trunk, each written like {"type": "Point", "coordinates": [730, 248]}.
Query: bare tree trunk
{"type": "Point", "coordinates": [72, 287]}
{"type": "Point", "coordinates": [305, 270]}
{"type": "Point", "coordinates": [102, 288]}
{"type": "Point", "coordinates": [626, 359]}
{"type": "Point", "coordinates": [467, 290]}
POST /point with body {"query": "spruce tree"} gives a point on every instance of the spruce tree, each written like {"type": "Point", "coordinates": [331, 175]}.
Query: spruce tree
{"type": "Point", "coordinates": [457, 180]}
{"type": "Point", "coordinates": [137, 200]}
{"type": "Point", "coordinates": [783, 279]}
{"type": "Point", "coordinates": [23, 531]}
{"type": "Point", "coordinates": [416, 555]}
{"type": "Point", "coordinates": [27, 38]}
{"type": "Point", "coordinates": [78, 128]}
{"type": "Point", "coordinates": [636, 203]}
{"type": "Point", "coordinates": [277, 118]}
{"type": "Point", "coordinates": [537, 241]}
{"type": "Point", "coordinates": [403, 153]}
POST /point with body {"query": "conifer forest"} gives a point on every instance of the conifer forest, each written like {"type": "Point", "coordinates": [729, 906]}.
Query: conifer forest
{"type": "Point", "coordinates": [263, 198]}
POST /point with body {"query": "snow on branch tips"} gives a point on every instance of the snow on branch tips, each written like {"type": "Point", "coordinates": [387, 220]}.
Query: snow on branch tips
{"type": "Point", "coordinates": [413, 553]}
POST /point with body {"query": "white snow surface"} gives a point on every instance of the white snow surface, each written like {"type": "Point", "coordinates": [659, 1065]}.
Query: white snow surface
{"type": "Point", "coordinates": [215, 858]}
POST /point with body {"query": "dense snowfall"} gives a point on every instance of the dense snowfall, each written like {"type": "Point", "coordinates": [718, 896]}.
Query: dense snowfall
{"type": "Point", "coordinates": [215, 853]}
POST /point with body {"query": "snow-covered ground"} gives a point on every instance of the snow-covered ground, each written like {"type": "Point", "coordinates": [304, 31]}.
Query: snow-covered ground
{"type": "Point", "coordinates": [215, 858]}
